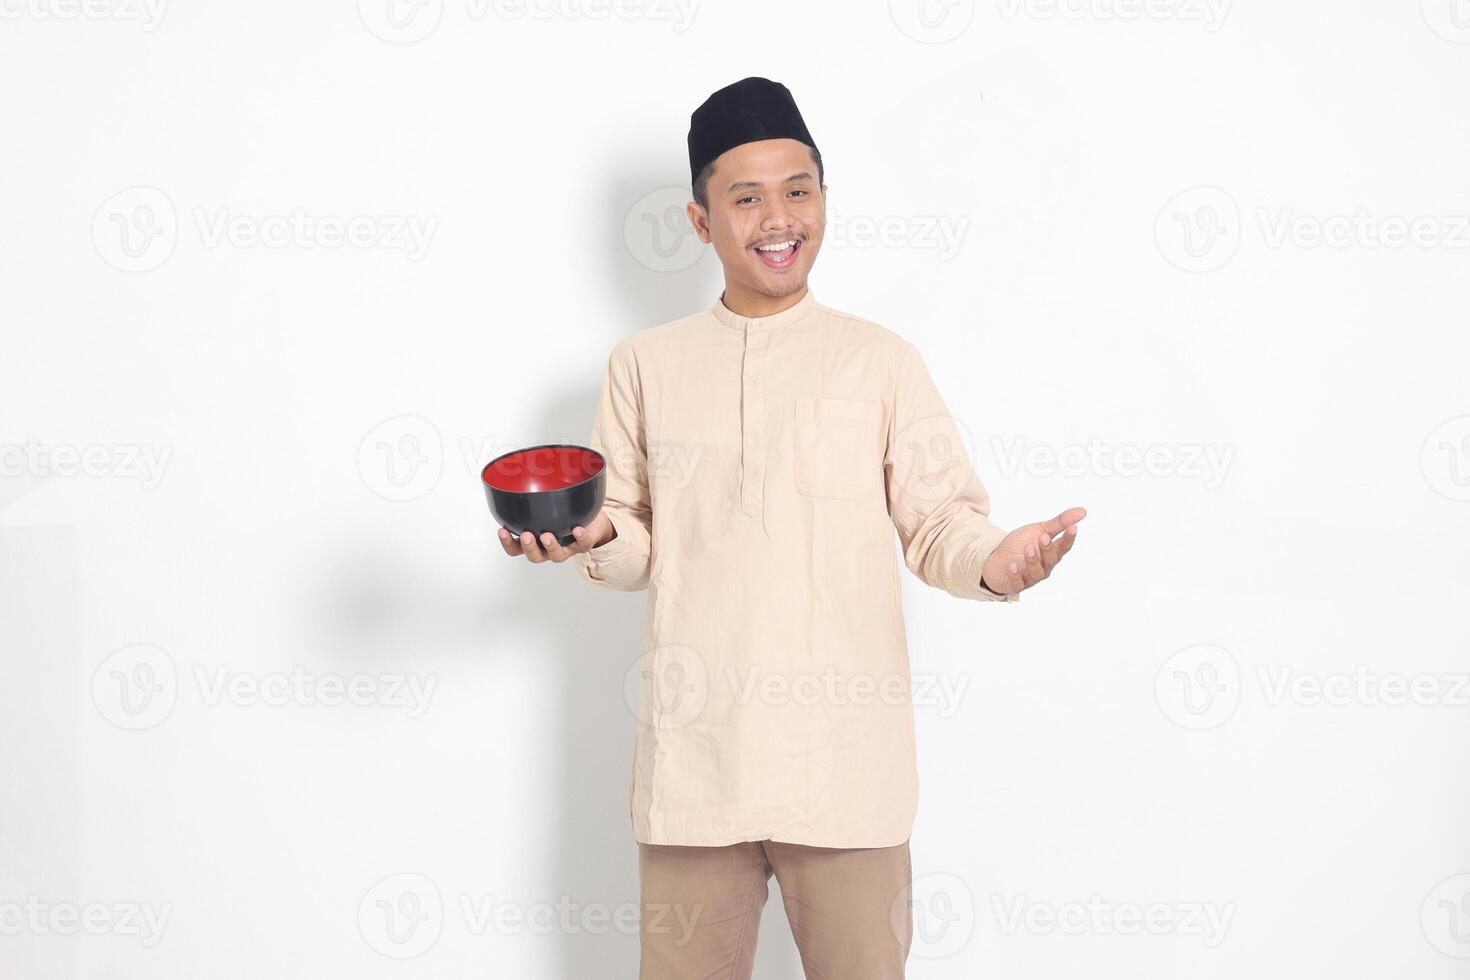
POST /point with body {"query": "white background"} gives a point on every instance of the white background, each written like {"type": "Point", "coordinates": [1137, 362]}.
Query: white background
{"type": "Point", "coordinates": [1133, 192]}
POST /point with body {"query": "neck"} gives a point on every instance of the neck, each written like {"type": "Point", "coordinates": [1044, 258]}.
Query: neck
{"type": "Point", "coordinates": [747, 302]}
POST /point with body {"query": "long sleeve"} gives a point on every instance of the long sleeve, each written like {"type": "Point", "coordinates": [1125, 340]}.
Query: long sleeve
{"type": "Point", "coordinates": [936, 499]}
{"type": "Point", "coordinates": [618, 433]}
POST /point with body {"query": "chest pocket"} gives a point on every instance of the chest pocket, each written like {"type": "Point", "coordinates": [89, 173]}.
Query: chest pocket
{"type": "Point", "coordinates": [838, 448]}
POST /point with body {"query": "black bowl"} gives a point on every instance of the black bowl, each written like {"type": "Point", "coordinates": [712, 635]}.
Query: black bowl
{"type": "Point", "coordinates": [554, 487]}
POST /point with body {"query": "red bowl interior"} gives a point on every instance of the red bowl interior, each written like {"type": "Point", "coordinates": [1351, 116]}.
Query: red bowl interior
{"type": "Point", "coordinates": [542, 468]}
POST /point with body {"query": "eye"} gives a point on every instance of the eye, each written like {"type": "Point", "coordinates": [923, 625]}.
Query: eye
{"type": "Point", "coordinates": [801, 193]}
{"type": "Point", "coordinates": [744, 199]}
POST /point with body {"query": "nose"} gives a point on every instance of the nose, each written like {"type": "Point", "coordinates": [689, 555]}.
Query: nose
{"type": "Point", "coordinates": [775, 216]}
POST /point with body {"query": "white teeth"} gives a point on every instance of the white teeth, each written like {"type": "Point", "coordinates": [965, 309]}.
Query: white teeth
{"type": "Point", "coordinates": [782, 246]}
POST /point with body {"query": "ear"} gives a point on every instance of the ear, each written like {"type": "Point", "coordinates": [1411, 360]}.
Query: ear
{"type": "Point", "coordinates": [699, 218]}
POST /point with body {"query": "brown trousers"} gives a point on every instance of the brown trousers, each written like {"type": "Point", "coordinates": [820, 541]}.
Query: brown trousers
{"type": "Point", "coordinates": [848, 908]}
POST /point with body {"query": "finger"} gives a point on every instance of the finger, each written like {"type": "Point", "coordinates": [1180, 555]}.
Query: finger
{"type": "Point", "coordinates": [1055, 546]}
{"type": "Point", "coordinates": [1060, 546]}
{"type": "Point", "coordinates": [1066, 542]}
{"type": "Point", "coordinates": [1048, 547]}
{"type": "Point", "coordinates": [1050, 550]}
{"type": "Point", "coordinates": [552, 547]}
{"type": "Point", "coordinates": [1017, 581]}
{"type": "Point", "coordinates": [509, 542]}
{"type": "Point", "coordinates": [1034, 570]}
{"type": "Point", "coordinates": [532, 549]}
{"type": "Point", "coordinates": [1057, 524]}
{"type": "Point", "coordinates": [583, 543]}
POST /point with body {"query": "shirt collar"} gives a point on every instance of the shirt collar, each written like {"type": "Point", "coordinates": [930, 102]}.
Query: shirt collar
{"type": "Point", "coordinates": [785, 318]}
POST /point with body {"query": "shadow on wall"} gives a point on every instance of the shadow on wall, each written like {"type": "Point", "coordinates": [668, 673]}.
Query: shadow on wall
{"type": "Point", "coordinates": [595, 634]}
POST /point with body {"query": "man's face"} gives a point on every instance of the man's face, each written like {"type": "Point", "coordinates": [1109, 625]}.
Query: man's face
{"type": "Point", "coordinates": [764, 194]}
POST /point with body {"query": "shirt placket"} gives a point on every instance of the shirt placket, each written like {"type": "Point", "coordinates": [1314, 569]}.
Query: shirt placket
{"type": "Point", "coordinates": [752, 417]}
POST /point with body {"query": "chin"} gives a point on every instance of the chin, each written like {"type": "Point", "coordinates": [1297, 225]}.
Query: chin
{"type": "Point", "coordinates": [782, 287]}
{"type": "Point", "coordinates": [782, 283]}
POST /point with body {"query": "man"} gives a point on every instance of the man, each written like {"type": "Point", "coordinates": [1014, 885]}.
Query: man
{"type": "Point", "coordinates": [760, 456]}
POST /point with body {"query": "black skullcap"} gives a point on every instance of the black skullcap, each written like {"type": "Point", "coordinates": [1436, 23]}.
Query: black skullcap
{"type": "Point", "coordinates": [748, 110]}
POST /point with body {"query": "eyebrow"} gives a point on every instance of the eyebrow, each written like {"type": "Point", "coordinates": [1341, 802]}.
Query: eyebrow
{"type": "Point", "coordinates": [741, 185]}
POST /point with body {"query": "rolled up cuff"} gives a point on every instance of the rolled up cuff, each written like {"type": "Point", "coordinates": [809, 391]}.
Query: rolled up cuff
{"type": "Point", "coordinates": [971, 586]}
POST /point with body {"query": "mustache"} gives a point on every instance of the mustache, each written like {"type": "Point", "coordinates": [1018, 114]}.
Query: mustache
{"type": "Point", "coordinates": [796, 236]}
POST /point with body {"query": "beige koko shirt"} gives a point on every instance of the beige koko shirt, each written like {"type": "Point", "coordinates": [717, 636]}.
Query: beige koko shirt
{"type": "Point", "coordinates": [756, 472]}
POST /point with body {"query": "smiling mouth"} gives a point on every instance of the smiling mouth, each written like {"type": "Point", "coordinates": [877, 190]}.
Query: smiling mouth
{"type": "Point", "coordinates": [778, 255]}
